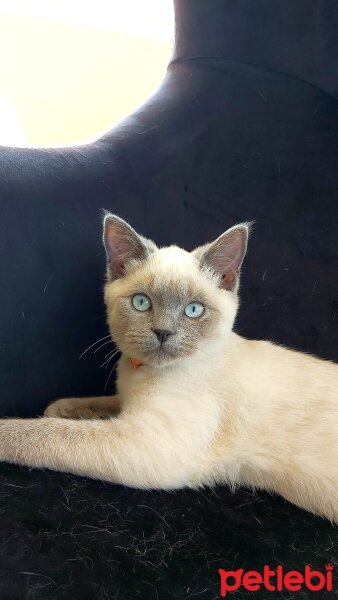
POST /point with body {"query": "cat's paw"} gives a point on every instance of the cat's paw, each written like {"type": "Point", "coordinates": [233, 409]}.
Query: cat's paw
{"type": "Point", "coordinates": [68, 408]}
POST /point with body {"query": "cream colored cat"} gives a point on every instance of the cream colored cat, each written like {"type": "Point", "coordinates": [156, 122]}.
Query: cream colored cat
{"type": "Point", "coordinates": [198, 404]}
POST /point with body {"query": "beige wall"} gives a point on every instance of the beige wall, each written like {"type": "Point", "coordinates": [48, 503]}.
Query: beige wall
{"type": "Point", "coordinates": [67, 83]}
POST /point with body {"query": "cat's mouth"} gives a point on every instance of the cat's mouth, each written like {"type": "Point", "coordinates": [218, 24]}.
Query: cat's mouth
{"type": "Point", "coordinates": [153, 354]}
{"type": "Point", "coordinates": [162, 353]}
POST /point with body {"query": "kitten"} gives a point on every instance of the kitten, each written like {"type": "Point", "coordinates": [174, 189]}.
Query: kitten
{"type": "Point", "coordinates": [198, 404]}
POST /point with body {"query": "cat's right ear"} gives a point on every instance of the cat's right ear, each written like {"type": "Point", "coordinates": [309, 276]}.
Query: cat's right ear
{"type": "Point", "coordinates": [123, 245]}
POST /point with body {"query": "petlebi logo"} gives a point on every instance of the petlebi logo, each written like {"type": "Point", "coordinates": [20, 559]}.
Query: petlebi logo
{"type": "Point", "coordinates": [276, 580]}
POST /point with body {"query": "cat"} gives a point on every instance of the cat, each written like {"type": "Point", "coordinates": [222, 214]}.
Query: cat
{"type": "Point", "coordinates": [196, 404]}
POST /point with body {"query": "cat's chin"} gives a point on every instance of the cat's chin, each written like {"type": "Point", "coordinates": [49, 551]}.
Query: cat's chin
{"type": "Point", "coordinates": [160, 358]}
{"type": "Point", "coordinates": [163, 361]}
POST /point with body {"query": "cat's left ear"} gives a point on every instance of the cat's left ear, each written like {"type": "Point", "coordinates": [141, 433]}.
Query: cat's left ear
{"type": "Point", "coordinates": [225, 255]}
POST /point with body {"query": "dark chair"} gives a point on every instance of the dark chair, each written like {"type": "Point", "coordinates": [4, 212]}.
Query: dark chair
{"type": "Point", "coordinates": [244, 126]}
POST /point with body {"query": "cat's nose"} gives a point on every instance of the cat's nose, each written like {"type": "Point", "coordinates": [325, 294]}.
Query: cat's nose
{"type": "Point", "coordinates": [162, 334]}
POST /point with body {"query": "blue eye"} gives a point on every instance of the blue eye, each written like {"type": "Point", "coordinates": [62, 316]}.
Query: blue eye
{"type": "Point", "coordinates": [194, 310]}
{"type": "Point", "coordinates": [141, 302]}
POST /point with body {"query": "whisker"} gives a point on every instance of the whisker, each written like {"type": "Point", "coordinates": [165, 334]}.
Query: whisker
{"type": "Point", "coordinates": [105, 387]}
{"type": "Point", "coordinates": [107, 361]}
{"type": "Point", "coordinates": [89, 347]}
{"type": "Point", "coordinates": [99, 348]}
{"type": "Point", "coordinates": [108, 353]}
{"type": "Point", "coordinates": [114, 363]}
{"type": "Point", "coordinates": [112, 358]}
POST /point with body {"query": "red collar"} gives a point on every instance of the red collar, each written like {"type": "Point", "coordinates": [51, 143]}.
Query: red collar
{"type": "Point", "coordinates": [135, 363]}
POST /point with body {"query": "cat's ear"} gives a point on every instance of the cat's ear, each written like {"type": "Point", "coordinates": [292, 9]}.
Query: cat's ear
{"type": "Point", "coordinates": [225, 255]}
{"type": "Point", "coordinates": [123, 245]}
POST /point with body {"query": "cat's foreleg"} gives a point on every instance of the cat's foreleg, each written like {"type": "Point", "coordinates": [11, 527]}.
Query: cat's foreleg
{"type": "Point", "coordinates": [84, 408]}
{"type": "Point", "coordinates": [116, 450]}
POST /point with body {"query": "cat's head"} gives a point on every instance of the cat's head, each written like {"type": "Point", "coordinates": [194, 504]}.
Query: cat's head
{"type": "Point", "coordinates": [165, 303]}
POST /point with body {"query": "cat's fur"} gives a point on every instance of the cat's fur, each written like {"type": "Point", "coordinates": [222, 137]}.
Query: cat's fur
{"type": "Point", "coordinates": [206, 406]}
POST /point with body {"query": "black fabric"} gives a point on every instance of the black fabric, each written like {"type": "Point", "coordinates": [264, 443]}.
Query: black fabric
{"type": "Point", "coordinates": [243, 127]}
{"type": "Point", "coordinates": [297, 38]}
{"type": "Point", "coordinates": [64, 537]}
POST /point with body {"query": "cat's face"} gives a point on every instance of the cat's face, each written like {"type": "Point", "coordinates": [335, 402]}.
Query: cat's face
{"type": "Point", "coordinates": [165, 304]}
